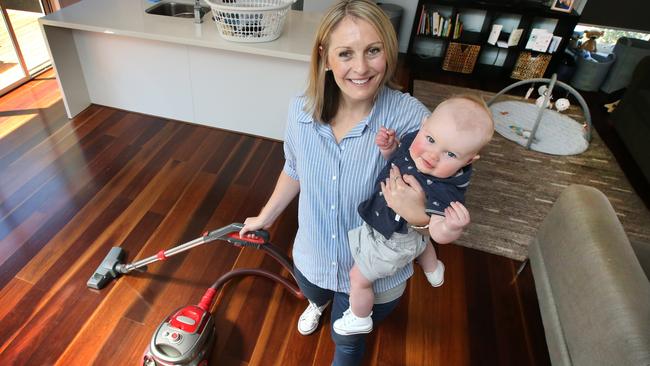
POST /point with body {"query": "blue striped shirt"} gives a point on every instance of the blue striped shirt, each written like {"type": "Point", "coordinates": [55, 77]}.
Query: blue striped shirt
{"type": "Point", "coordinates": [334, 179]}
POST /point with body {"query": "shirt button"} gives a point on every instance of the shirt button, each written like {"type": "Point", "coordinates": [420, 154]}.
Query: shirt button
{"type": "Point", "coordinates": [333, 236]}
{"type": "Point", "coordinates": [334, 177]}
{"type": "Point", "coordinates": [333, 207]}
{"type": "Point", "coordinates": [333, 264]}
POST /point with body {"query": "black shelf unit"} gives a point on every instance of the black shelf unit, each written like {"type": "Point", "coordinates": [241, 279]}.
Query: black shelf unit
{"type": "Point", "coordinates": [528, 13]}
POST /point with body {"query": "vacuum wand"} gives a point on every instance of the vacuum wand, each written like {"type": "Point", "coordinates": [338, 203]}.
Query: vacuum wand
{"type": "Point", "coordinates": [162, 255]}
{"type": "Point", "coordinates": [111, 267]}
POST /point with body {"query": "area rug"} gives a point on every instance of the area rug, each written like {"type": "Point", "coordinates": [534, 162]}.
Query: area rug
{"type": "Point", "coordinates": [513, 189]}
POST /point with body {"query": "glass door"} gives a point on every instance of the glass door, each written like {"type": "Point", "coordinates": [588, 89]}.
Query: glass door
{"type": "Point", "coordinates": [23, 52]}
{"type": "Point", "coordinates": [13, 71]}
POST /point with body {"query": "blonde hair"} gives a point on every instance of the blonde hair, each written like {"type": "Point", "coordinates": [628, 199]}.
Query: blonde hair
{"type": "Point", "coordinates": [322, 91]}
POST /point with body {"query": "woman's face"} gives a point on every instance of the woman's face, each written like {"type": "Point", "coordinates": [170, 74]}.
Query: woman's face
{"type": "Point", "coordinates": [357, 59]}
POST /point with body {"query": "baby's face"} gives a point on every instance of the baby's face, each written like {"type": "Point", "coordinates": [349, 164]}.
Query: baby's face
{"type": "Point", "coordinates": [440, 149]}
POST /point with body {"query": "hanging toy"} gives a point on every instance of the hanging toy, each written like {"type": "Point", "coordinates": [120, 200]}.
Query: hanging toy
{"type": "Point", "coordinates": [543, 91]}
{"type": "Point", "coordinates": [530, 91]}
{"type": "Point", "coordinates": [540, 101]}
{"type": "Point", "coordinates": [562, 104]}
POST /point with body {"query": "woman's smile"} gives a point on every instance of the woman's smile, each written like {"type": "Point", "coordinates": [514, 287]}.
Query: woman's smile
{"type": "Point", "coordinates": [359, 81]}
{"type": "Point", "coordinates": [357, 60]}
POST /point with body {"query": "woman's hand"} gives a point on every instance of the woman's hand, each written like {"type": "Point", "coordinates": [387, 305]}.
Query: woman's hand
{"type": "Point", "coordinates": [456, 217]}
{"type": "Point", "coordinates": [448, 228]}
{"type": "Point", "coordinates": [405, 196]}
{"type": "Point", "coordinates": [254, 223]}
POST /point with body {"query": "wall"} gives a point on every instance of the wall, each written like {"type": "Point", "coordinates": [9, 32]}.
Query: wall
{"type": "Point", "coordinates": [626, 14]}
{"type": "Point", "coordinates": [403, 34]}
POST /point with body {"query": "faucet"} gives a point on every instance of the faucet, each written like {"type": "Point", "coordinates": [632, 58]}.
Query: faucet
{"type": "Point", "coordinates": [197, 12]}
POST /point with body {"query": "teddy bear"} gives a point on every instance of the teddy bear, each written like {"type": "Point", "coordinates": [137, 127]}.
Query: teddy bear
{"type": "Point", "coordinates": [591, 36]}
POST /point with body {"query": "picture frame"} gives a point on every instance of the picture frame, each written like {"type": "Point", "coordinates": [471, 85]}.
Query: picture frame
{"type": "Point", "coordinates": [562, 5]}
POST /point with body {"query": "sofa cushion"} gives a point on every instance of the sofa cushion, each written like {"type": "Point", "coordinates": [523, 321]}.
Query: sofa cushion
{"type": "Point", "coordinates": [601, 293]}
{"type": "Point", "coordinates": [639, 102]}
{"type": "Point", "coordinates": [555, 341]}
{"type": "Point", "coordinates": [642, 251]}
{"type": "Point", "coordinates": [632, 124]}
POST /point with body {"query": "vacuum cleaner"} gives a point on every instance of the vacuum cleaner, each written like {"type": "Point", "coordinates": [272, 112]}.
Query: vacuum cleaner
{"type": "Point", "coordinates": [187, 335]}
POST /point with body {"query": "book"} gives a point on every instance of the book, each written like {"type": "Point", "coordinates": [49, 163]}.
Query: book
{"type": "Point", "coordinates": [555, 43]}
{"type": "Point", "coordinates": [436, 24]}
{"type": "Point", "coordinates": [539, 40]}
{"type": "Point", "coordinates": [543, 41]}
{"type": "Point", "coordinates": [514, 37]}
{"type": "Point", "coordinates": [458, 27]}
{"type": "Point", "coordinates": [494, 34]}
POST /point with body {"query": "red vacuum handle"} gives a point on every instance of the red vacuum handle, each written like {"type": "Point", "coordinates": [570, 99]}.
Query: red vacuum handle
{"type": "Point", "coordinates": [261, 237]}
{"type": "Point", "coordinates": [258, 238]}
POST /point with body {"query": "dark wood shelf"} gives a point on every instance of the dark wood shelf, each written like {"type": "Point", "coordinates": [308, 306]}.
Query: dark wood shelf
{"type": "Point", "coordinates": [469, 37]}
{"type": "Point", "coordinates": [427, 36]}
{"type": "Point", "coordinates": [515, 7]}
{"type": "Point", "coordinates": [529, 15]}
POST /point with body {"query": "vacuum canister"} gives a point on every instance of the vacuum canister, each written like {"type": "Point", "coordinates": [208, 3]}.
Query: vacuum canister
{"type": "Point", "coordinates": [184, 338]}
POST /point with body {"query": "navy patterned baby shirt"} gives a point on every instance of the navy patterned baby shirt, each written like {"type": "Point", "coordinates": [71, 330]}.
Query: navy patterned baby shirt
{"type": "Point", "coordinates": [439, 192]}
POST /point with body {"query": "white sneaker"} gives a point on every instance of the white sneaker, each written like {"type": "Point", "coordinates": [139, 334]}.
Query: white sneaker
{"type": "Point", "coordinates": [437, 277]}
{"type": "Point", "coordinates": [351, 324]}
{"type": "Point", "coordinates": [310, 318]}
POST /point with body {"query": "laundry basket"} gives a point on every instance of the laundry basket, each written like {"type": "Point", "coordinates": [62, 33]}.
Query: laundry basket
{"type": "Point", "coordinates": [250, 20]}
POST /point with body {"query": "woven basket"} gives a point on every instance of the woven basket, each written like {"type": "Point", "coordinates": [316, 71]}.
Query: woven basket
{"type": "Point", "coordinates": [461, 57]}
{"type": "Point", "coordinates": [529, 66]}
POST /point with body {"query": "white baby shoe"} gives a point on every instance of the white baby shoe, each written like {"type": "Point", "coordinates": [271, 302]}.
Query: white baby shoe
{"type": "Point", "coordinates": [437, 277]}
{"type": "Point", "coordinates": [351, 324]}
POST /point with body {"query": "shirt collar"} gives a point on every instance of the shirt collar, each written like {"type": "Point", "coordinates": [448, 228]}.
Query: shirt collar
{"type": "Point", "coordinates": [304, 117]}
{"type": "Point", "coordinates": [369, 121]}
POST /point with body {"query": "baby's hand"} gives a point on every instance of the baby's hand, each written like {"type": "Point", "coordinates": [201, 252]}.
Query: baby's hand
{"type": "Point", "coordinates": [456, 216]}
{"type": "Point", "coordinates": [385, 138]}
{"type": "Point", "coordinates": [386, 141]}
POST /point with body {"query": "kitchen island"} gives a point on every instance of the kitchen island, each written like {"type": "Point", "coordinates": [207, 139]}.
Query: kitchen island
{"type": "Point", "coordinates": [115, 54]}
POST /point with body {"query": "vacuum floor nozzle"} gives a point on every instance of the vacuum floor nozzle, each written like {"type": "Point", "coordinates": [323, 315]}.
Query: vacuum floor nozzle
{"type": "Point", "coordinates": [106, 272]}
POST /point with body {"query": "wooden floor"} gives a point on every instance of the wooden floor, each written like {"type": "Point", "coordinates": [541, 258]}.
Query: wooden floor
{"type": "Point", "coordinates": [72, 189]}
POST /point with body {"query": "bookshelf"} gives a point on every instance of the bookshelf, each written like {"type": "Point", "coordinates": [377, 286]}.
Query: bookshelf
{"type": "Point", "coordinates": [472, 23]}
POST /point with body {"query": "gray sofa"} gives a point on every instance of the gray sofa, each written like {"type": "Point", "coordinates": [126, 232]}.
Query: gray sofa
{"type": "Point", "coordinates": [592, 284]}
{"type": "Point", "coordinates": [632, 119]}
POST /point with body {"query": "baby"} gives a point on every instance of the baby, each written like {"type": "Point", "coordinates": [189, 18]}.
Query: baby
{"type": "Point", "coordinates": [439, 157]}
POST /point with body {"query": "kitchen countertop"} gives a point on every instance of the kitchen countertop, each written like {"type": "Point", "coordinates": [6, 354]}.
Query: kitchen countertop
{"type": "Point", "coordinates": [128, 18]}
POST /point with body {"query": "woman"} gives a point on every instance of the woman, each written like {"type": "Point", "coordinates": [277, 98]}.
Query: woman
{"type": "Point", "coordinates": [332, 161]}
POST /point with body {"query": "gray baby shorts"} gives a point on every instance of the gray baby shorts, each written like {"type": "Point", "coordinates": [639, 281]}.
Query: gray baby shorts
{"type": "Point", "coordinates": [378, 257]}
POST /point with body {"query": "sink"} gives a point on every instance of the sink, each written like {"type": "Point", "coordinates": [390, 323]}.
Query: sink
{"type": "Point", "coordinates": [179, 10]}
